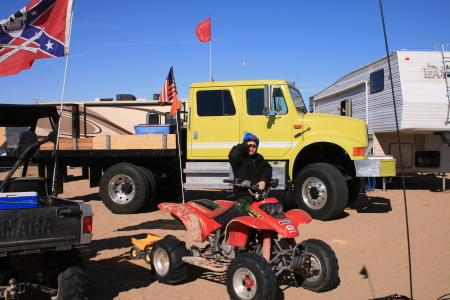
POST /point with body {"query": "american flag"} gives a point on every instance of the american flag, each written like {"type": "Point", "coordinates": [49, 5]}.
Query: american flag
{"type": "Point", "coordinates": [39, 30]}
{"type": "Point", "coordinates": [169, 91]}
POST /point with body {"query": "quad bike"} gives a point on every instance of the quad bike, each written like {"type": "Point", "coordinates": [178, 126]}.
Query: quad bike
{"type": "Point", "coordinates": [248, 248]}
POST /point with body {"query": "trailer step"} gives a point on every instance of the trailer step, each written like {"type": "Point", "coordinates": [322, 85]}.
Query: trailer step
{"type": "Point", "coordinates": [205, 263]}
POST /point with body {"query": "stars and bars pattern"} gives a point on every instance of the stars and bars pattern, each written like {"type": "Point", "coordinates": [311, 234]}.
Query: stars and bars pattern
{"type": "Point", "coordinates": [169, 91]}
{"type": "Point", "coordinates": [39, 30]}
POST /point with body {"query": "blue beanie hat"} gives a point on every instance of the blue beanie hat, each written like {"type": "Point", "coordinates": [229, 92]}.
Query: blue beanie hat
{"type": "Point", "coordinates": [251, 137]}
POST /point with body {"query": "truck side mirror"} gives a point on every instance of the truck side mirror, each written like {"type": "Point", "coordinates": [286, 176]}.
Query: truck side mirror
{"type": "Point", "coordinates": [268, 94]}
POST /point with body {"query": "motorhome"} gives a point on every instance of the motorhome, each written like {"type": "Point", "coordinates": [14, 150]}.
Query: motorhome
{"type": "Point", "coordinates": [420, 81]}
{"type": "Point", "coordinates": [107, 116]}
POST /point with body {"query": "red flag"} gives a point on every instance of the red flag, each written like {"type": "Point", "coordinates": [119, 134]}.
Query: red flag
{"type": "Point", "coordinates": [203, 31]}
{"type": "Point", "coordinates": [175, 106]}
{"type": "Point", "coordinates": [39, 30]}
{"type": "Point", "coordinates": [169, 93]}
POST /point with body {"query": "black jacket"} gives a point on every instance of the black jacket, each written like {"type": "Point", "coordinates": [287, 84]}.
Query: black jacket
{"type": "Point", "coordinates": [254, 168]}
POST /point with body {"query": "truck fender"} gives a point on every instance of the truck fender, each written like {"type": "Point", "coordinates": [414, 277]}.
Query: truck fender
{"type": "Point", "coordinates": [298, 216]}
{"type": "Point", "coordinates": [198, 226]}
{"type": "Point", "coordinates": [236, 232]}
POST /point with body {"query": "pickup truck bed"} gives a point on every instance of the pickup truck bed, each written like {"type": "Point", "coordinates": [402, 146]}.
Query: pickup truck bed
{"type": "Point", "coordinates": [56, 225]}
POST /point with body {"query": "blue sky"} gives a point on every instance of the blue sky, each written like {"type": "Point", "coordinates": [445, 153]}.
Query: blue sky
{"type": "Point", "coordinates": [128, 47]}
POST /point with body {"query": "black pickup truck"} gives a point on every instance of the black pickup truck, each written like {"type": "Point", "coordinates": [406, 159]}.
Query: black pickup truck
{"type": "Point", "coordinates": [39, 233]}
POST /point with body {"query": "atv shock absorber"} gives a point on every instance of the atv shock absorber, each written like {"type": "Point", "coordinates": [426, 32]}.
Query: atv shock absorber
{"type": "Point", "coordinates": [266, 245]}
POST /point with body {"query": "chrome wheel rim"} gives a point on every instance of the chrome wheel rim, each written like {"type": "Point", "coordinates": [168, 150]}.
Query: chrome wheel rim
{"type": "Point", "coordinates": [315, 267]}
{"type": "Point", "coordinates": [121, 189]}
{"type": "Point", "coordinates": [314, 193]}
{"type": "Point", "coordinates": [244, 283]}
{"type": "Point", "coordinates": [161, 262]}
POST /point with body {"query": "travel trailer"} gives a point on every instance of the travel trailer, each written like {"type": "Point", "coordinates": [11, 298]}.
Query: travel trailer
{"type": "Point", "coordinates": [106, 116]}
{"type": "Point", "coordinates": [420, 81]}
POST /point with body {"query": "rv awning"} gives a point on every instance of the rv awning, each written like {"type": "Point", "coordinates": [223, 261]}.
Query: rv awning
{"type": "Point", "coordinates": [17, 115]}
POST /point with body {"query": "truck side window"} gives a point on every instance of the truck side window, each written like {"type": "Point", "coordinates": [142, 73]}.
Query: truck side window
{"type": "Point", "coordinates": [215, 103]}
{"type": "Point", "coordinates": [255, 102]}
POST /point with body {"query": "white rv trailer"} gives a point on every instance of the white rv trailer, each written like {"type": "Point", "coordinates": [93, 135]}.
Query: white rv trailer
{"type": "Point", "coordinates": [106, 116]}
{"type": "Point", "coordinates": [420, 79]}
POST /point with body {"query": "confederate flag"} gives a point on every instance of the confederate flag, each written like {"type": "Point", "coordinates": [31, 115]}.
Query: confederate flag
{"type": "Point", "coordinates": [39, 30]}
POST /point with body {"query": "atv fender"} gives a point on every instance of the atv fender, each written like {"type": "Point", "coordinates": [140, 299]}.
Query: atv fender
{"type": "Point", "coordinates": [298, 216]}
{"type": "Point", "coordinates": [237, 230]}
{"type": "Point", "coordinates": [198, 226]}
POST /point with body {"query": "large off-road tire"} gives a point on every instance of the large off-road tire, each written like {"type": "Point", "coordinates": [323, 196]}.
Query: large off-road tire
{"type": "Point", "coordinates": [124, 188]}
{"type": "Point", "coordinates": [166, 260]}
{"type": "Point", "coordinates": [354, 188]}
{"type": "Point", "coordinates": [153, 187]}
{"type": "Point", "coordinates": [323, 263]}
{"type": "Point", "coordinates": [250, 276]}
{"type": "Point", "coordinates": [321, 191]}
{"type": "Point", "coordinates": [65, 273]}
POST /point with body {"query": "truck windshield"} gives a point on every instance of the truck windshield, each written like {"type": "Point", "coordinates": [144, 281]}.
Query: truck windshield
{"type": "Point", "coordinates": [298, 100]}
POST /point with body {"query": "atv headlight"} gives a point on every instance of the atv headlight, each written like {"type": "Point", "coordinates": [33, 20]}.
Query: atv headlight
{"type": "Point", "coordinates": [278, 208]}
{"type": "Point", "coordinates": [270, 209]}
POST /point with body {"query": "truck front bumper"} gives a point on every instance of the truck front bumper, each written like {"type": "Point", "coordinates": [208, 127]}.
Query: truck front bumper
{"type": "Point", "coordinates": [375, 166]}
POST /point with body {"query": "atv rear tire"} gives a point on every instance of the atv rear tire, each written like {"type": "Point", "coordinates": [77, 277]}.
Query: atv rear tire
{"type": "Point", "coordinates": [166, 260]}
{"type": "Point", "coordinates": [250, 276]}
{"type": "Point", "coordinates": [321, 191]}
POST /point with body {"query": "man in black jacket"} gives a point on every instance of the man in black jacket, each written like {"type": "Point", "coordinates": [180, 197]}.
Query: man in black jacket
{"type": "Point", "coordinates": [247, 164]}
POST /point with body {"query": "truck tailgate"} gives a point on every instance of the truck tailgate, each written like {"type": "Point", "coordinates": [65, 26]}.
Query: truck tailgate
{"type": "Point", "coordinates": [39, 229]}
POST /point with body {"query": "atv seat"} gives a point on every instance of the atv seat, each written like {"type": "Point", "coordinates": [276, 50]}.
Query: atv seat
{"type": "Point", "coordinates": [211, 209]}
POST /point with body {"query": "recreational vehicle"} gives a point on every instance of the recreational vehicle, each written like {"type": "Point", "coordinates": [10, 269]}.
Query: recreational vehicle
{"type": "Point", "coordinates": [420, 81]}
{"type": "Point", "coordinates": [106, 116]}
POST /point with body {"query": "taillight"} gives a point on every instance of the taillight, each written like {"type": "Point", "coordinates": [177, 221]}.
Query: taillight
{"type": "Point", "coordinates": [87, 225]}
{"type": "Point", "coordinates": [358, 151]}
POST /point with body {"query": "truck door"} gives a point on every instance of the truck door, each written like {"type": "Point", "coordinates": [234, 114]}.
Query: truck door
{"type": "Point", "coordinates": [214, 123]}
{"type": "Point", "coordinates": [274, 131]}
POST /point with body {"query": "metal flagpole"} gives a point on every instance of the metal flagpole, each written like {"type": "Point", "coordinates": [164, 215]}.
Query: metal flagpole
{"type": "Point", "coordinates": [210, 50]}
{"type": "Point", "coordinates": [179, 154]}
{"type": "Point", "coordinates": [55, 173]}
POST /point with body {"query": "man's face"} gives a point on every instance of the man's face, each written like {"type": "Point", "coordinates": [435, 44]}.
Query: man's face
{"type": "Point", "coordinates": [251, 148]}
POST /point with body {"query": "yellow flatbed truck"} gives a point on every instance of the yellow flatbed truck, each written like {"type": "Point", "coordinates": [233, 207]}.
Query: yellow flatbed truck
{"type": "Point", "coordinates": [320, 158]}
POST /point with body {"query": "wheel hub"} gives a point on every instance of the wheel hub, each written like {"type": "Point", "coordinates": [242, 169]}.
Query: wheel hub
{"type": "Point", "coordinates": [244, 283]}
{"type": "Point", "coordinates": [121, 189]}
{"type": "Point", "coordinates": [314, 193]}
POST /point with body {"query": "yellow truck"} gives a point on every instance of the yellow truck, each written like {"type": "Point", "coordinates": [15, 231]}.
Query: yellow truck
{"type": "Point", "coordinates": [320, 158]}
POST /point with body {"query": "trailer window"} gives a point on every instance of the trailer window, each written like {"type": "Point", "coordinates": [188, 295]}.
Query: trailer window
{"type": "Point", "coordinates": [215, 103]}
{"type": "Point", "coordinates": [152, 118]}
{"type": "Point", "coordinates": [377, 81]}
{"type": "Point", "coordinates": [255, 102]}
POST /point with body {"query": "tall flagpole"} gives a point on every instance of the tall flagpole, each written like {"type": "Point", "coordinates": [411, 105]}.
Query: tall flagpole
{"type": "Point", "coordinates": [210, 50]}
{"type": "Point", "coordinates": [55, 173]}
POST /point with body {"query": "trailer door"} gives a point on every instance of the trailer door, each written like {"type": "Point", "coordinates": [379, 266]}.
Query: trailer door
{"type": "Point", "coordinates": [214, 123]}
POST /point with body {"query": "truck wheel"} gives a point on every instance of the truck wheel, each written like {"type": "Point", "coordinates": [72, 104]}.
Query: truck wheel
{"type": "Point", "coordinates": [153, 187]}
{"type": "Point", "coordinates": [65, 274]}
{"type": "Point", "coordinates": [321, 191]}
{"type": "Point", "coordinates": [354, 188]}
{"type": "Point", "coordinates": [135, 253]}
{"type": "Point", "coordinates": [166, 260]}
{"type": "Point", "coordinates": [124, 188]}
{"type": "Point", "coordinates": [250, 276]}
{"type": "Point", "coordinates": [322, 265]}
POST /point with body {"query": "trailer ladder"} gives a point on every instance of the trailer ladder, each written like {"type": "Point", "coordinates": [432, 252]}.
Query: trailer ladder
{"type": "Point", "coordinates": [446, 70]}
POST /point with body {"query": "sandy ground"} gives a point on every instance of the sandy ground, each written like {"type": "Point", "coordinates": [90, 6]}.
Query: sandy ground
{"type": "Point", "coordinates": [371, 235]}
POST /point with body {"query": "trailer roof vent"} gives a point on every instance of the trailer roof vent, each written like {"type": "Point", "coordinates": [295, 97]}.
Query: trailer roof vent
{"type": "Point", "coordinates": [104, 99]}
{"type": "Point", "coordinates": [122, 97]}
{"type": "Point", "coordinates": [156, 96]}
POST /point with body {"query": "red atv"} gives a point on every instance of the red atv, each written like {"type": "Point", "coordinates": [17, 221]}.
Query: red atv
{"type": "Point", "coordinates": [248, 248]}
